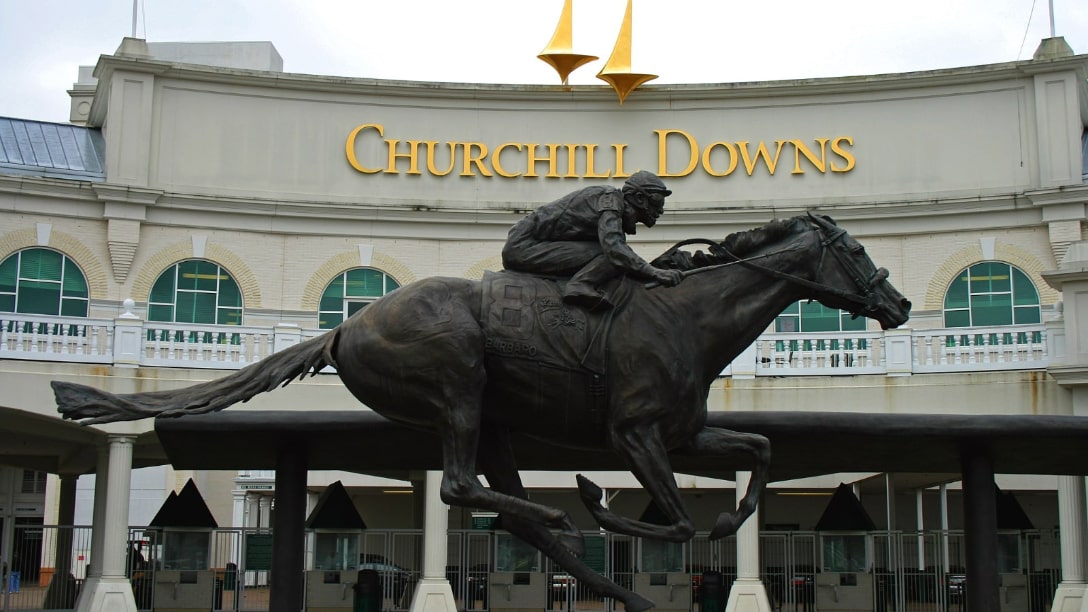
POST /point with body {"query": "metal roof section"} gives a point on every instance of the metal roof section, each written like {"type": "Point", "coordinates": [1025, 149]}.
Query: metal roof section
{"type": "Point", "coordinates": [56, 150]}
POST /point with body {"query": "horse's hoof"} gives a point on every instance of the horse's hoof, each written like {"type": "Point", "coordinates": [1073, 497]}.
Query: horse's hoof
{"type": "Point", "coordinates": [637, 603]}
{"type": "Point", "coordinates": [590, 492]}
{"type": "Point", "coordinates": [574, 542]}
{"type": "Point", "coordinates": [726, 526]}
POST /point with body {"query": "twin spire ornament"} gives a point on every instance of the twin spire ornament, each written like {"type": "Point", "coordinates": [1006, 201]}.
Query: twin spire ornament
{"type": "Point", "coordinates": [617, 70]}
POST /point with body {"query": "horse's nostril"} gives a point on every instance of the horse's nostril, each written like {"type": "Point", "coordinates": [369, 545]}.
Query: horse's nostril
{"type": "Point", "coordinates": [906, 303]}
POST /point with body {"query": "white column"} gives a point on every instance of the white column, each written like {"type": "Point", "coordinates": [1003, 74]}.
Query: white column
{"type": "Point", "coordinates": [264, 519]}
{"type": "Point", "coordinates": [433, 593]}
{"type": "Point", "coordinates": [1070, 596]}
{"type": "Point", "coordinates": [944, 527]}
{"type": "Point", "coordinates": [113, 592]}
{"type": "Point", "coordinates": [748, 593]}
{"type": "Point", "coordinates": [98, 521]}
{"type": "Point", "coordinates": [920, 521]}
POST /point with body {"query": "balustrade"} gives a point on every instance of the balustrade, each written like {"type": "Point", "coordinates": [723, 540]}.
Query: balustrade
{"type": "Point", "coordinates": [1018, 347]}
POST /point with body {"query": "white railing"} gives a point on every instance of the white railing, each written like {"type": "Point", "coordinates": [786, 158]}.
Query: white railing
{"type": "Point", "coordinates": [43, 338]}
{"type": "Point", "coordinates": [203, 346]}
{"type": "Point", "coordinates": [810, 354]}
{"type": "Point", "coordinates": [1021, 347]}
{"type": "Point", "coordinates": [129, 341]}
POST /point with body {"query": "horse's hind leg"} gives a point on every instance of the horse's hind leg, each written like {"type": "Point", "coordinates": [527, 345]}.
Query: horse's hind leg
{"type": "Point", "coordinates": [496, 460]}
{"type": "Point", "coordinates": [648, 460]}
{"type": "Point", "coordinates": [725, 442]}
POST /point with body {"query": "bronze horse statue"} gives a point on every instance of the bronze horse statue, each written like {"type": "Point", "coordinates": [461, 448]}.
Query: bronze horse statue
{"type": "Point", "coordinates": [419, 357]}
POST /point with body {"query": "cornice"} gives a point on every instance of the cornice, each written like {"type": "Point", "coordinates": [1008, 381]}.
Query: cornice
{"type": "Point", "coordinates": [648, 94]}
{"type": "Point", "coordinates": [1069, 375]}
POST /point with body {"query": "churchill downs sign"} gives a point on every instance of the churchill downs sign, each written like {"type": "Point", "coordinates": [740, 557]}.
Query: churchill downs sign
{"type": "Point", "coordinates": [678, 154]}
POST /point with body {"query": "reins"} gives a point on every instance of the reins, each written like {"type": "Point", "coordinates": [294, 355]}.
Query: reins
{"type": "Point", "coordinates": [865, 298]}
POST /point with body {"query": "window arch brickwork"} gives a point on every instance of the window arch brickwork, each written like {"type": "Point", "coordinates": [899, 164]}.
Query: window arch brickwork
{"type": "Point", "coordinates": [476, 272]}
{"type": "Point", "coordinates": [89, 264]}
{"type": "Point", "coordinates": [172, 254]}
{"type": "Point", "coordinates": [969, 256]}
{"type": "Point", "coordinates": [338, 264]}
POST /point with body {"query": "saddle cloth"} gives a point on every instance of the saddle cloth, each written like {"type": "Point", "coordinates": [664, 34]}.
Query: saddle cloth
{"type": "Point", "coordinates": [524, 317]}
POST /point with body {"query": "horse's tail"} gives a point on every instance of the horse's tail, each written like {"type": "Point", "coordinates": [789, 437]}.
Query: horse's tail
{"type": "Point", "coordinates": [90, 405]}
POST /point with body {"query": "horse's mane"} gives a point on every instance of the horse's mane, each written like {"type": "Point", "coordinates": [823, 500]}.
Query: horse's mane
{"type": "Point", "coordinates": [738, 244]}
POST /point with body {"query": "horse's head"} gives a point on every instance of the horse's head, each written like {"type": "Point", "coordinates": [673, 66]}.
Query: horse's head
{"type": "Point", "coordinates": [848, 280]}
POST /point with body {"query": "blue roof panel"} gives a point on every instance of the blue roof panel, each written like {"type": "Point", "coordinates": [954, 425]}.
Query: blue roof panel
{"type": "Point", "coordinates": [57, 150]}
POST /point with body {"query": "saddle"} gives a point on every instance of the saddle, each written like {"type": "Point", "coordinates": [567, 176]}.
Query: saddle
{"type": "Point", "coordinates": [525, 318]}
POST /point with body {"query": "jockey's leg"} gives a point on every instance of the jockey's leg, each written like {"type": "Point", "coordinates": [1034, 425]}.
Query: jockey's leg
{"type": "Point", "coordinates": [584, 287]}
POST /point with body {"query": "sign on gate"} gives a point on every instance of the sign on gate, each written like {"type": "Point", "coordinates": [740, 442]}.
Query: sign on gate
{"type": "Point", "coordinates": [258, 551]}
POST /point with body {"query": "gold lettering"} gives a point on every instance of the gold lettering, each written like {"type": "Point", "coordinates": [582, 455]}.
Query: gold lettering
{"type": "Point", "coordinates": [534, 159]}
{"type": "Point", "coordinates": [800, 149]}
{"type": "Point", "coordinates": [474, 159]}
{"type": "Point", "coordinates": [761, 151]}
{"type": "Point", "coordinates": [572, 159]}
{"type": "Point", "coordinates": [662, 153]}
{"type": "Point", "coordinates": [591, 171]}
{"type": "Point", "coordinates": [431, 144]}
{"type": "Point", "coordinates": [620, 172]}
{"type": "Point", "coordinates": [412, 155]}
{"type": "Point", "coordinates": [497, 165]}
{"type": "Point", "coordinates": [350, 147]}
{"type": "Point", "coordinates": [846, 155]}
{"type": "Point", "coordinates": [730, 150]}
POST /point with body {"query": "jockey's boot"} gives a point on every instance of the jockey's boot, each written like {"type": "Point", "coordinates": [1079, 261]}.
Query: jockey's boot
{"type": "Point", "coordinates": [583, 288]}
{"type": "Point", "coordinates": [584, 295]}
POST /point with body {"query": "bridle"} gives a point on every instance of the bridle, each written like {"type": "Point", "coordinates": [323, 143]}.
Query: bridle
{"type": "Point", "coordinates": [866, 299]}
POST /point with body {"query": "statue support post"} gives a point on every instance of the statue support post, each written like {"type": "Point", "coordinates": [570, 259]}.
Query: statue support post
{"type": "Point", "coordinates": [748, 593]}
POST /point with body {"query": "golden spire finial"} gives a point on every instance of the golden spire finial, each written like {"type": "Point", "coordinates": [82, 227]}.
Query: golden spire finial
{"type": "Point", "coordinates": [617, 70]}
{"type": "Point", "coordinates": [558, 52]}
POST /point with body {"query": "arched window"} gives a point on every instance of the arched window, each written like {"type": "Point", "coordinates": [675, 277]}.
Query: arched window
{"type": "Point", "coordinates": [351, 292]}
{"type": "Point", "coordinates": [195, 291]}
{"type": "Point", "coordinates": [805, 316]}
{"type": "Point", "coordinates": [42, 281]}
{"type": "Point", "coordinates": [991, 293]}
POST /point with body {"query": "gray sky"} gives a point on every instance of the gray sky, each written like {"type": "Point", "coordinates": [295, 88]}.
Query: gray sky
{"type": "Point", "coordinates": [42, 42]}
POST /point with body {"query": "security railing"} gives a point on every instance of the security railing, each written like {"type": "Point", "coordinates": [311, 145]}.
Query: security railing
{"type": "Point", "coordinates": [897, 570]}
{"type": "Point", "coordinates": [130, 341]}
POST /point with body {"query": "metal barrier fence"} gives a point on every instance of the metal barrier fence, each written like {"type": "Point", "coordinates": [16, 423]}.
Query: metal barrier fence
{"type": "Point", "coordinates": [906, 571]}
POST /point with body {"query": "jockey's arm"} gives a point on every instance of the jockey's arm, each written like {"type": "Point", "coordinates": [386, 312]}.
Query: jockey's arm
{"type": "Point", "coordinates": [614, 245]}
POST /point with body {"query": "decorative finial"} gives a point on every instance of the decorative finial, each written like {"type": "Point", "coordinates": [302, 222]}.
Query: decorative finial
{"type": "Point", "coordinates": [558, 53]}
{"type": "Point", "coordinates": [617, 70]}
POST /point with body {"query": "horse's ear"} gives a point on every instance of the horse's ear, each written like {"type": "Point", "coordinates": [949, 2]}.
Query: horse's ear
{"type": "Point", "coordinates": [823, 221]}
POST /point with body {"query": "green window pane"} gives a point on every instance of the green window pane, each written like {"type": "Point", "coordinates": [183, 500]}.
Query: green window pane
{"type": "Point", "coordinates": [333, 298]}
{"type": "Point", "coordinates": [7, 274]}
{"type": "Point", "coordinates": [1024, 315]}
{"type": "Point", "coordinates": [160, 312]}
{"type": "Point", "coordinates": [815, 317]}
{"type": "Point", "coordinates": [229, 316]}
{"type": "Point", "coordinates": [163, 290]}
{"type": "Point", "coordinates": [851, 323]}
{"type": "Point", "coordinates": [354, 307]}
{"type": "Point", "coordinates": [36, 297]}
{"type": "Point", "coordinates": [363, 282]}
{"type": "Point", "coordinates": [1023, 290]}
{"type": "Point", "coordinates": [229, 294]}
{"type": "Point", "coordinates": [198, 275]}
{"type": "Point", "coordinates": [74, 284]}
{"type": "Point", "coordinates": [195, 307]}
{"type": "Point", "coordinates": [73, 308]}
{"type": "Point", "coordinates": [329, 320]}
{"type": "Point", "coordinates": [7, 303]}
{"type": "Point", "coordinates": [990, 277]}
{"type": "Point", "coordinates": [995, 309]}
{"type": "Point", "coordinates": [787, 324]}
{"type": "Point", "coordinates": [957, 318]}
{"type": "Point", "coordinates": [41, 264]}
{"type": "Point", "coordinates": [956, 296]}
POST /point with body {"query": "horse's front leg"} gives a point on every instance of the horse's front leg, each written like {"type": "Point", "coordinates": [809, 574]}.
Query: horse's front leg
{"type": "Point", "coordinates": [648, 459]}
{"type": "Point", "coordinates": [497, 463]}
{"type": "Point", "coordinates": [460, 422]}
{"type": "Point", "coordinates": [725, 442]}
